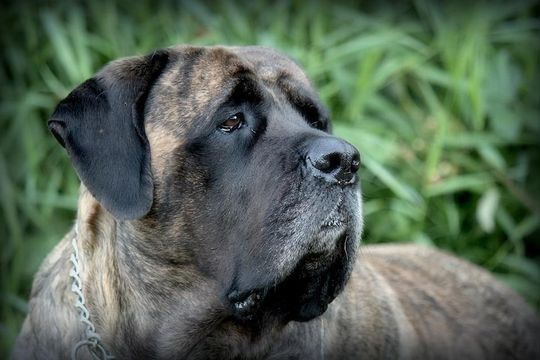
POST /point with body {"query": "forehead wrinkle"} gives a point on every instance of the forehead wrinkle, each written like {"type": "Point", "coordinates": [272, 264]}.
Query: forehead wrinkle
{"type": "Point", "coordinates": [269, 63]}
{"type": "Point", "coordinates": [216, 72]}
{"type": "Point", "coordinates": [228, 63]}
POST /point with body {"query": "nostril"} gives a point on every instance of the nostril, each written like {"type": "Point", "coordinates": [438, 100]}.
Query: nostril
{"type": "Point", "coordinates": [355, 163]}
{"type": "Point", "coordinates": [322, 163]}
{"type": "Point", "coordinates": [328, 162]}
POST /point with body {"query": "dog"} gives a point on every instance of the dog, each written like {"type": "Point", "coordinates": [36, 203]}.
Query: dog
{"type": "Point", "coordinates": [219, 218]}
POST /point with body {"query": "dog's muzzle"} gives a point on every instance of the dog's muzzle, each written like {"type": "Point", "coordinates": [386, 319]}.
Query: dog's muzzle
{"type": "Point", "coordinates": [322, 268]}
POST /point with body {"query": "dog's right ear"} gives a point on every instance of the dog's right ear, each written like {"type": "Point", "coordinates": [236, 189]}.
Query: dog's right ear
{"type": "Point", "coordinates": [101, 125]}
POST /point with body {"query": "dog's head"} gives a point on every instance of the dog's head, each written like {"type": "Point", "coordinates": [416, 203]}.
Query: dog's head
{"type": "Point", "coordinates": [222, 158]}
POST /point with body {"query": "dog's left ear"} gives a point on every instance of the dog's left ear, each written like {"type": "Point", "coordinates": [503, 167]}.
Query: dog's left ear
{"type": "Point", "coordinates": [101, 125]}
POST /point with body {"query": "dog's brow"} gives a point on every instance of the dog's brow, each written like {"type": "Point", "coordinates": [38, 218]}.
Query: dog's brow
{"type": "Point", "coordinates": [301, 100]}
{"type": "Point", "coordinates": [307, 107]}
{"type": "Point", "coordinates": [244, 90]}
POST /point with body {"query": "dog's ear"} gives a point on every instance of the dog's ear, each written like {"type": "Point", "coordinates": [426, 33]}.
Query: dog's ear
{"type": "Point", "coordinates": [101, 125]}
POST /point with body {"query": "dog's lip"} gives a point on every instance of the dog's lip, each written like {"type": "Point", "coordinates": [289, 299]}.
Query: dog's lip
{"type": "Point", "coordinates": [336, 217]}
{"type": "Point", "coordinates": [315, 263]}
{"type": "Point", "coordinates": [331, 229]}
{"type": "Point", "coordinates": [333, 222]}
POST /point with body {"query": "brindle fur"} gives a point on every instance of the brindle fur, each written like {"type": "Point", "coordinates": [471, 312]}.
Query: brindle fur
{"type": "Point", "coordinates": [157, 286]}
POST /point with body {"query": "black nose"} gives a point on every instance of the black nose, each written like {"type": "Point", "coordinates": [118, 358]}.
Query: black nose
{"type": "Point", "coordinates": [333, 159]}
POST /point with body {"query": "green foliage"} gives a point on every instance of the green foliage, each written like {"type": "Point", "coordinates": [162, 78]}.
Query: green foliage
{"type": "Point", "coordinates": [442, 102]}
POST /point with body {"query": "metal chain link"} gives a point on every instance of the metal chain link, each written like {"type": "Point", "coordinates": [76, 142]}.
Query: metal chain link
{"type": "Point", "coordinates": [93, 341]}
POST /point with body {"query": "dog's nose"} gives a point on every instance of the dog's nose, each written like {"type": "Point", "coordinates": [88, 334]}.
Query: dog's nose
{"type": "Point", "coordinates": [333, 159]}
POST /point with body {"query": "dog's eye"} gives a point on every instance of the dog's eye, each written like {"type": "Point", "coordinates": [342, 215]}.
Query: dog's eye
{"type": "Point", "coordinates": [232, 123]}
{"type": "Point", "coordinates": [319, 125]}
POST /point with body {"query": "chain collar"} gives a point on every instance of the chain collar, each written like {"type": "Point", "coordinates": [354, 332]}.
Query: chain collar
{"type": "Point", "coordinates": [92, 340]}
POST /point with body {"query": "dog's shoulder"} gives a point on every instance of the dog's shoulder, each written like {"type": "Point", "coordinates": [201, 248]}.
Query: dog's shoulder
{"type": "Point", "coordinates": [439, 293]}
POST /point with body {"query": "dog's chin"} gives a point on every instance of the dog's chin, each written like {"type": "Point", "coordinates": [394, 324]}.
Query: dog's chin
{"type": "Point", "coordinates": [309, 288]}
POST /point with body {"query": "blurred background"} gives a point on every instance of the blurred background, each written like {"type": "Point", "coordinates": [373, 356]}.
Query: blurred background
{"type": "Point", "coordinates": [443, 102]}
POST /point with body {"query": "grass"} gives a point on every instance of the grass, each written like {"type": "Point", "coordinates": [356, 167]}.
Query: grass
{"type": "Point", "coordinates": [442, 102]}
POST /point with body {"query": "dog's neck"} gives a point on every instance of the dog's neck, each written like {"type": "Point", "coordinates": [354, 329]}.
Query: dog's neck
{"type": "Point", "coordinates": [116, 268]}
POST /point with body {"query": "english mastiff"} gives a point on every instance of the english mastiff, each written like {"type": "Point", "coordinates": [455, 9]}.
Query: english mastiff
{"type": "Point", "coordinates": [219, 218]}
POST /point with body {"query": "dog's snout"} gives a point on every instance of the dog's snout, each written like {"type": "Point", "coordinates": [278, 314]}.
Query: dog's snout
{"type": "Point", "coordinates": [333, 159]}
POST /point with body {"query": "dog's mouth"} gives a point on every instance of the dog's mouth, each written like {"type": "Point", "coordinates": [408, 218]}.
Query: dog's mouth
{"type": "Point", "coordinates": [306, 292]}
{"type": "Point", "coordinates": [336, 218]}
{"type": "Point", "coordinates": [313, 281]}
